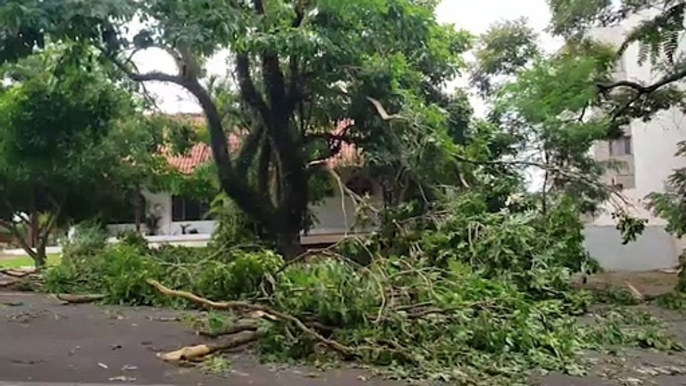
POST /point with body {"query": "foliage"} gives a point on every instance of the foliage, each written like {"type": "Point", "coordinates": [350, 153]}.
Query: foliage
{"type": "Point", "coordinates": [657, 34]}
{"type": "Point", "coordinates": [625, 327]}
{"type": "Point", "coordinates": [628, 226]}
{"type": "Point", "coordinates": [133, 239]}
{"type": "Point", "coordinates": [670, 204]}
{"type": "Point", "coordinates": [503, 50]}
{"type": "Point", "coordinates": [234, 228]}
{"type": "Point", "coordinates": [462, 294]}
{"type": "Point", "coordinates": [62, 141]}
{"type": "Point", "coordinates": [301, 67]}
{"type": "Point", "coordinates": [120, 271]}
{"type": "Point", "coordinates": [546, 107]}
{"type": "Point", "coordinates": [675, 300]}
{"type": "Point", "coordinates": [88, 239]}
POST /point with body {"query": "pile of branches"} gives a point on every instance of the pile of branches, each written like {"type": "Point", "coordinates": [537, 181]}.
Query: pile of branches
{"type": "Point", "coordinates": [420, 320]}
{"type": "Point", "coordinates": [463, 295]}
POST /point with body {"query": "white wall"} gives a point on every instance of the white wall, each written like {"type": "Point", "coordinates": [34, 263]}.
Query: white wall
{"type": "Point", "coordinates": [654, 249]}
{"type": "Point", "coordinates": [334, 215]}
{"type": "Point", "coordinates": [654, 144]}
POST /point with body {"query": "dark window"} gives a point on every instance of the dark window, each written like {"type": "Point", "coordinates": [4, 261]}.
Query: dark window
{"type": "Point", "coordinates": [126, 212]}
{"type": "Point", "coordinates": [621, 146]}
{"type": "Point", "coordinates": [186, 209]}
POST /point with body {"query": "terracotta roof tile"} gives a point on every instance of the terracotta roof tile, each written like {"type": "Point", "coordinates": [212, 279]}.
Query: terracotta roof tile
{"type": "Point", "coordinates": [201, 153]}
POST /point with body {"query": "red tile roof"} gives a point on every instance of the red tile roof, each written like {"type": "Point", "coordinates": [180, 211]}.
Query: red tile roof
{"type": "Point", "coordinates": [201, 153]}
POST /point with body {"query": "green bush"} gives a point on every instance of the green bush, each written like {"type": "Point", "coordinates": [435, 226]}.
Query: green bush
{"type": "Point", "coordinates": [120, 271]}
{"type": "Point", "coordinates": [134, 239]}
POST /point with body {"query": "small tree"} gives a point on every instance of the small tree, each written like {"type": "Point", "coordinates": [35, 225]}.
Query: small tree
{"type": "Point", "coordinates": [54, 167]}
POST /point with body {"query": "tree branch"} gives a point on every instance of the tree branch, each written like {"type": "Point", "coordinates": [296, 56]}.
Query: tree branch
{"type": "Point", "coordinates": [249, 149]}
{"type": "Point", "coordinates": [12, 228]}
{"type": "Point", "coordinates": [235, 186]}
{"type": "Point", "coordinates": [247, 88]}
{"type": "Point", "coordinates": [641, 89]}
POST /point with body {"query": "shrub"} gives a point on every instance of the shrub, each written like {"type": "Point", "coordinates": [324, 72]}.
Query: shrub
{"type": "Point", "coordinates": [134, 239]}
{"type": "Point", "coordinates": [120, 271]}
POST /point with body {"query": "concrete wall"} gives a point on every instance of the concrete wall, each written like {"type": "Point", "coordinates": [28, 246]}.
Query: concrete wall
{"type": "Point", "coordinates": [653, 250]}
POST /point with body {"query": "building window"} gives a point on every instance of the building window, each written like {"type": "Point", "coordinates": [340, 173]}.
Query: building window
{"type": "Point", "coordinates": [186, 209]}
{"type": "Point", "coordinates": [126, 212]}
{"type": "Point", "coordinates": [621, 146]}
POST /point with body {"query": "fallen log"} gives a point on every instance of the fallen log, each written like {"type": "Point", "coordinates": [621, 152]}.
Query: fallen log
{"type": "Point", "coordinates": [6, 284]}
{"type": "Point", "coordinates": [19, 274]}
{"type": "Point", "coordinates": [197, 352]}
{"type": "Point", "coordinates": [80, 299]}
{"type": "Point", "coordinates": [271, 314]}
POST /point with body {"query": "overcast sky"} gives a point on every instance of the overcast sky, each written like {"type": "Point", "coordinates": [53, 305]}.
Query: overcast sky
{"type": "Point", "coordinates": [474, 16]}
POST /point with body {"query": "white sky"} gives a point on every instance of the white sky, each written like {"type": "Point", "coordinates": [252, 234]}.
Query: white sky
{"type": "Point", "coordinates": [474, 16]}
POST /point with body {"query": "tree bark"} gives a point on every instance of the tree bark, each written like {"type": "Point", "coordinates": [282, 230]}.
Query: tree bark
{"type": "Point", "coordinates": [137, 213]}
{"type": "Point", "coordinates": [41, 258]}
{"type": "Point", "coordinates": [288, 244]}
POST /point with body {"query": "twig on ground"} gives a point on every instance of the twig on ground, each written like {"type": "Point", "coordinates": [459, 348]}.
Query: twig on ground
{"type": "Point", "coordinates": [635, 292]}
{"type": "Point", "coordinates": [80, 299]}
{"type": "Point", "coordinates": [342, 349]}
{"type": "Point", "coordinates": [448, 310]}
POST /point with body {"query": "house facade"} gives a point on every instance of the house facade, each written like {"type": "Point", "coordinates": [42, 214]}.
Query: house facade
{"type": "Point", "coordinates": [175, 219]}
{"type": "Point", "coordinates": [645, 158]}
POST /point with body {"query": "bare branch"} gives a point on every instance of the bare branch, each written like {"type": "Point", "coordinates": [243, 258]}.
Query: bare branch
{"type": "Point", "coordinates": [641, 89]}
{"type": "Point", "coordinates": [12, 228]}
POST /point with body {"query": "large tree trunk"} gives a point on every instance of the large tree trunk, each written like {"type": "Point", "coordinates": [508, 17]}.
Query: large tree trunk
{"type": "Point", "coordinates": [41, 257]}
{"type": "Point", "coordinates": [288, 244]}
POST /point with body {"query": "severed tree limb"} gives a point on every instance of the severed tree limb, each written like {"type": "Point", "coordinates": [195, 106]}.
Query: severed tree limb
{"type": "Point", "coordinates": [240, 326]}
{"type": "Point", "coordinates": [199, 351]}
{"type": "Point", "coordinates": [17, 274]}
{"type": "Point", "coordinates": [635, 292]}
{"type": "Point", "coordinates": [80, 299]}
{"type": "Point", "coordinates": [10, 284]}
{"type": "Point", "coordinates": [332, 344]}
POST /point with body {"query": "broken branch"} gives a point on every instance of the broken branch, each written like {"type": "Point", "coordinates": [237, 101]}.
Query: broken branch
{"type": "Point", "coordinates": [80, 299]}
{"type": "Point", "coordinates": [199, 351]}
{"type": "Point", "coordinates": [342, 349]}
{"type": "Point", "coordinates": [17, 274]}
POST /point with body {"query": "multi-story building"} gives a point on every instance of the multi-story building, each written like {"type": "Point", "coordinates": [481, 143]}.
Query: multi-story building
{"type": "Point", "coordinates": [643, 160]}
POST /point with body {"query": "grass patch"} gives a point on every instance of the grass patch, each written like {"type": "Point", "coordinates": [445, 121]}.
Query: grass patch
{"type": "Point", "coordinates": [25, 261]}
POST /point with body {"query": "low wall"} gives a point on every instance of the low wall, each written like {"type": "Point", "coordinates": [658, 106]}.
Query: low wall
{"type": "Point", "coordinates": [654, 249]}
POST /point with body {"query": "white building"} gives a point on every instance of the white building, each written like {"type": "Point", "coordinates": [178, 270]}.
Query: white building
{"type": "Point", "coordinates": [647, 153]}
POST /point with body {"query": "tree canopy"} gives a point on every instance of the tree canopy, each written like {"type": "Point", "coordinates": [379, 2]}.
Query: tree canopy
{"type": "Point", "coordinates": [53, 132]}
{"type": "Point", "coordinates": [296, 69]}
